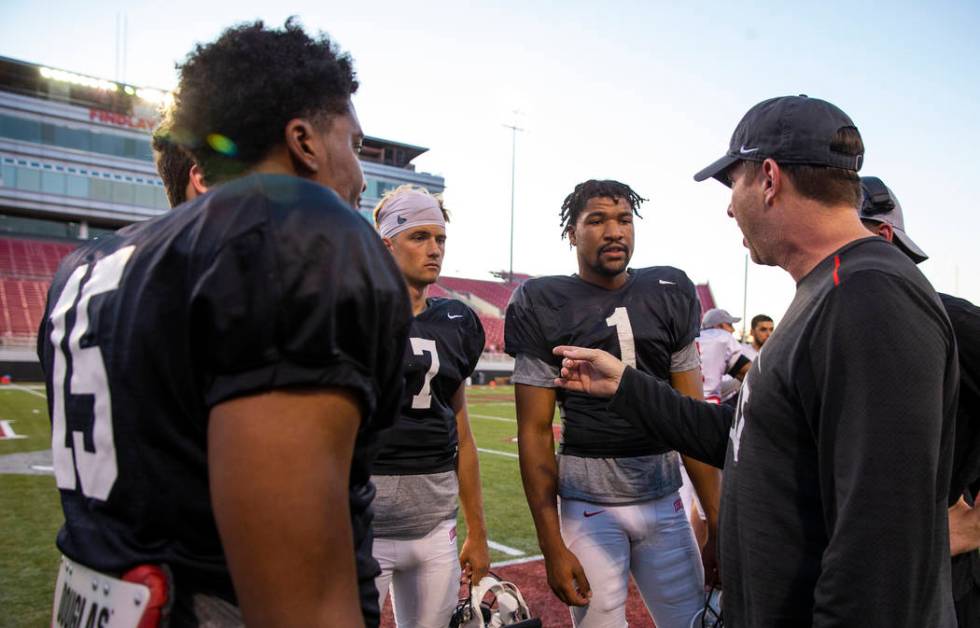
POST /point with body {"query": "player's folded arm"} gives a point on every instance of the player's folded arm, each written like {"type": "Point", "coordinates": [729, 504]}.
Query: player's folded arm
{"type": "Point", "coordinates": [880, 411]}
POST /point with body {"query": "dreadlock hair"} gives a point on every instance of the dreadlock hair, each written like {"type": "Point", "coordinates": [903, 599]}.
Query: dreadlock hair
{"type": "Point", "coordinates": [237, 93]}
{"type": "Point", "coordinates": [594, 188]}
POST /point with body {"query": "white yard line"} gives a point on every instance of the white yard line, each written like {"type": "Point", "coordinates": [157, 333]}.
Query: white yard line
{"type": "Point", "coordinates": [497, 453]}
{"type": "Point", "coordinates": [516, 561]}
{"type": "Point", "coordinates": [500, 547]}
{"type": "Point", "coordinates": [28, 391]}
{"type": "Point", "coordinates": [7, 432]}
{"type": "Point", "coordinates": [491, 417]}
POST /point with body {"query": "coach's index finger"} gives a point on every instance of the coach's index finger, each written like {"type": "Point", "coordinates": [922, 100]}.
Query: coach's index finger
{"type": "Point", "coordinates": [575, 353]}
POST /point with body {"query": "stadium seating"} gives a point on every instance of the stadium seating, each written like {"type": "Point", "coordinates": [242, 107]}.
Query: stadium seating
{"type": "Point", "coordinates": [26, 269]}
{"type": "Point", "coordinates": [27, 266]}
{"type": "Point", "coordinates": [31, 259]}
{"type": "Point", "coordinates": [496, 293]}
{"type": "Point", "coordinates": [493, 327]}
{"type": "Point", "coordinates": [21, 309]}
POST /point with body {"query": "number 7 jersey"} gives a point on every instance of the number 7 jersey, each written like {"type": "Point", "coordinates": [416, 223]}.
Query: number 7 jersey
{"type": "Point", "coordinates": [267, 282]}
{"type": "Point", "coordinates": [655, 314]}
{"type": "Point", "coordinates": [445, 343]}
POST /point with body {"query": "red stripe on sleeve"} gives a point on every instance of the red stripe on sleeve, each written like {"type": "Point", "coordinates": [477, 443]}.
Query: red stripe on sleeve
{"type": "Point", "coordinates": [836, 268]}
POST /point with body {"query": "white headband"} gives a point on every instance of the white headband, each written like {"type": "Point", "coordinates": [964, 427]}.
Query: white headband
{"type": "Point", "coordinates": [407, 210]}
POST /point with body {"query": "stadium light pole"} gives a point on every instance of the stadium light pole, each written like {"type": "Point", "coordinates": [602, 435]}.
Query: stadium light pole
{"type": "Point", "coordinates": [513, 168]}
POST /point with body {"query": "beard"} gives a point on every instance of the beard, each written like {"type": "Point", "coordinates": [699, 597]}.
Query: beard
{"type": "Point", "coordinates": [610, 268]}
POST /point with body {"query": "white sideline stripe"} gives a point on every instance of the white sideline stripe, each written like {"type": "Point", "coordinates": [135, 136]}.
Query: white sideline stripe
{"type": "Point", "coordinates": [492, 418]}
{"type": "Point", "coordinates": [42, 467]}
{"type": "Point", "coordinates": [517, 561]}
{"type": "Point", "coordinates": [28, 391]}
{"type": "Point", "coordinates": [498, 453]}
{"type": "Point", "coordinates": [500, 547]}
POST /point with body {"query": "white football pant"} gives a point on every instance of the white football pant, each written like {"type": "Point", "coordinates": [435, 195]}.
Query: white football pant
{"type": "Point", "coordinates": [423, 575]}
{"type": "Point", "coordinates": [651, 540]}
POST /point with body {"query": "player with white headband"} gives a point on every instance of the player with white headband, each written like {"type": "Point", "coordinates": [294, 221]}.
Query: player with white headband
{"type": "Point", "coordinates": [429, 457]}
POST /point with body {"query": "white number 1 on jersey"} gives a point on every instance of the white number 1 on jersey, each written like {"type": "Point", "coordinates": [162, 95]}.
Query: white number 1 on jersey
{"type": "Point", "coordinates": [423, 399]}
{"type": "Point", "coordinates": [97, 469]}
{"type": "Point", "coordinates": [624, 331]}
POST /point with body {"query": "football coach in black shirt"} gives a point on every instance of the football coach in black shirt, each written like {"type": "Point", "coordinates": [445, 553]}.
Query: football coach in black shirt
{"type": "Point", "coordinates": [837, 458]}
{"type": "Point", "coordinates": [216, 375]}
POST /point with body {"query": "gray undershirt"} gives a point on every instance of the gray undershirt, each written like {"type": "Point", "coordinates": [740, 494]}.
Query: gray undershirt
{"type": "Point", "coordinates": [411, 506]}
{"type": "Point", "coordinates": [610, 480]}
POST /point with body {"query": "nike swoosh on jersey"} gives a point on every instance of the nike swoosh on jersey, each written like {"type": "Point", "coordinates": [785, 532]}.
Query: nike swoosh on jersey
{"type": "Point", "coordinates": [664, 282]}
{"type": "Point", "coordinates": [592, 514]}
{"type": "Point", "coordinates": [452, 316]}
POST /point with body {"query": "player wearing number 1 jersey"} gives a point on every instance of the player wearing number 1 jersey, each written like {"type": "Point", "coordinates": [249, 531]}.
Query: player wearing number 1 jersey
{"type": "Point", "coordinates": [217, 375]}
{"type": "Point", "coordinates": [429, 457]}
{"type": "Point", "coordinates": [620, 509]}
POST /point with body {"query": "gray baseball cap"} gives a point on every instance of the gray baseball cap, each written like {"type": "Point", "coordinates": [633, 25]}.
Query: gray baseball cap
{"type": "Point", "coordinates": [791, 130]}
{"type": "Point", "coordinates": [717, 316]}
{"type": "Point", "coordinates": [881, 205]}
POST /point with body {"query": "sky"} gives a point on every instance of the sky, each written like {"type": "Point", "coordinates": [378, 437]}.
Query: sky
{"type": "Point", "coordinates": [643, 92]}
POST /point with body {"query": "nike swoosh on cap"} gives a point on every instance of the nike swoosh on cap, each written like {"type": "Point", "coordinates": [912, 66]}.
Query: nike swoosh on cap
{"type": "Point", "coordinates": [664, 282]}
{"type": "Point", "coordinates": [746, 151]}
{"type": "Point", "coordinates": [455, 315]}
{"type": "Point", "coordinates": [592, 514]}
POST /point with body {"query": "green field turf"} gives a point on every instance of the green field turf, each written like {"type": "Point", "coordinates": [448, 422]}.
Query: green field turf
{"type": "Point", "coordinates": [30, 512]}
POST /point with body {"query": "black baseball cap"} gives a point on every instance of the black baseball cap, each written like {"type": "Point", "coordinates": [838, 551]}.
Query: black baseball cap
{"type": "Point", "coordinates": [791, 130]}
{"type": "Point", "coordinates": [881, 205]}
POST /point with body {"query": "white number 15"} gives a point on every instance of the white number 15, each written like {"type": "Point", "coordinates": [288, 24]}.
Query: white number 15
{"type": "Point", "coordinates": [97, 469]}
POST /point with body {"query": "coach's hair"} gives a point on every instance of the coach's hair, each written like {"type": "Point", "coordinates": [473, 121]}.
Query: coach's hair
{"type": "Point", "coordinates": [173, 162]}
{"type": "Point", "coordinates": [404, 189]}
{"type": "Point", "coordinates": [237, 93]}
{"type": "Point", "coordinates": [593, 188]}
{"type": "Point", "coordinates": [824, 184]}
{"type": "Point", "coordinates": [759, 318]}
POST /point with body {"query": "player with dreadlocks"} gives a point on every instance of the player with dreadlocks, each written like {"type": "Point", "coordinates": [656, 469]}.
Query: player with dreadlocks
{"type": "Point", "coordinates": [620, 512]}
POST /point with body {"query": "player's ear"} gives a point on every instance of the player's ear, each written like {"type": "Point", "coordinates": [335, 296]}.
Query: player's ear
{"type": "Point", "coordinates": [388, 243]}
{"type": "Point", "coordinates": [301, 143]}
{"type": "Point", "coordinates": [572, 240]}
{"type": "Point", "coordinates": [196, 180]}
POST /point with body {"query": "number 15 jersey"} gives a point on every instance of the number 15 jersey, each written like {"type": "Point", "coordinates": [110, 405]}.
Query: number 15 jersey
{"type": "Point", "coordinates": [268, 282]}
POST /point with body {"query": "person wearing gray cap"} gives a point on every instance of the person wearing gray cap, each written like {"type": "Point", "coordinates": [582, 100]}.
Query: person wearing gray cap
{"type": "Point", "coordinates": [881, 213]}
{"type": "Point", "coordinates": [837, 457]}
{"type": "Point", "coordinates": [720, 353]}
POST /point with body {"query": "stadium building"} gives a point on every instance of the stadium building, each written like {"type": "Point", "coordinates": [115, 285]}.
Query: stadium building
{"type": "Point", "coordinates": [76, 163]}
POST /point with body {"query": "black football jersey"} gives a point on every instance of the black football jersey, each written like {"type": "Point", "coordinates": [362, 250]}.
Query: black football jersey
{"type": "Point", "coordinates": [653, 315]}
{"type": "Point", "coordinates": [444, 345]}
{"type": "Point", "coordinates": [267, 282]}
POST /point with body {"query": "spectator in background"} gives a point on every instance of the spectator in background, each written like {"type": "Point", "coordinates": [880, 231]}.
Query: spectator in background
{"type": "Point", "coordinates": [762, 327]}
{"type": "Point", "coordinates": [721, 354]}
{"type": "Point", "coordinates": [881, 214]}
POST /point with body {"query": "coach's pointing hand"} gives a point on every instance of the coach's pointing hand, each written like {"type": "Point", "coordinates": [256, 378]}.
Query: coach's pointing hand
{"type": "Point", "coordinates": [592, 371]}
